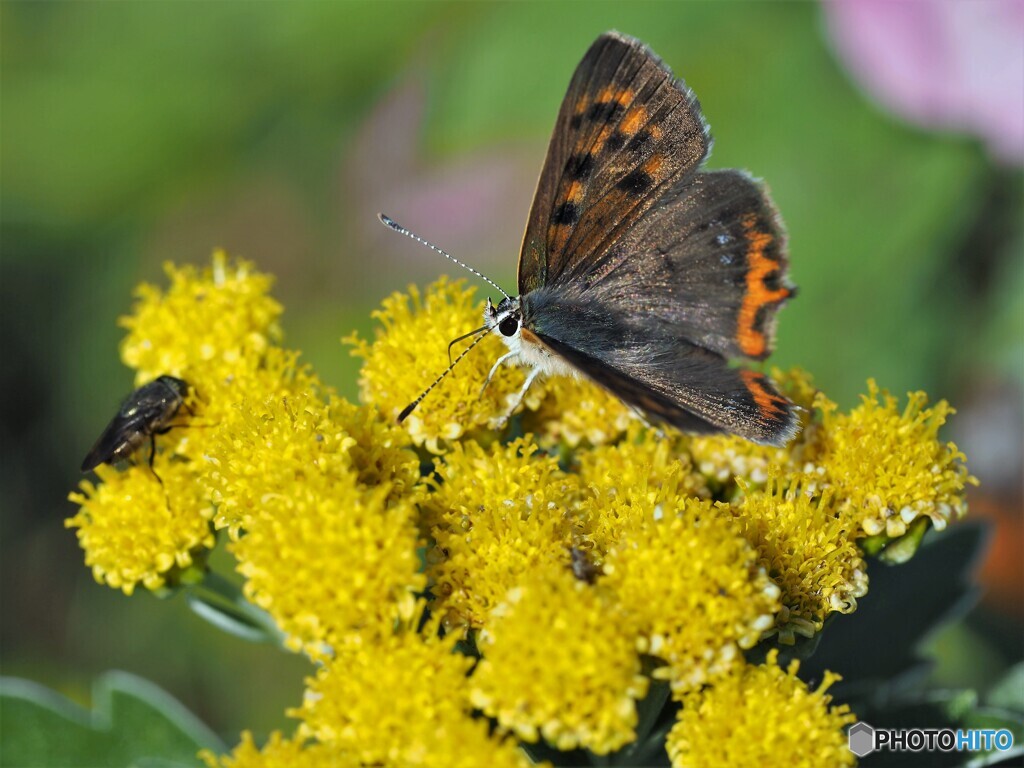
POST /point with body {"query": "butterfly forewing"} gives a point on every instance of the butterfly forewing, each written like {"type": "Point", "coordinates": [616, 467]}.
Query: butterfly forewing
{"type": "Point", "coordinates": [626, 132]}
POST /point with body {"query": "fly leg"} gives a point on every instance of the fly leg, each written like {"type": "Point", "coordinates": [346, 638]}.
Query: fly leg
{"type": "Point", "coordinates": [152, 450]}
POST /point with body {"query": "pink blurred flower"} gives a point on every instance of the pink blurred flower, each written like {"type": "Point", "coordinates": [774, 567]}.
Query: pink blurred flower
{"type": "Point", "coordinates": [943, 64]}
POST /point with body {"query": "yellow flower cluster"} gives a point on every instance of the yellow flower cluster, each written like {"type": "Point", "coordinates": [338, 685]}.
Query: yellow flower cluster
{"type": "Point", "coordinates": [401, 700]}
{"type": "Point", "coordinates": [323, 553]}
{"type": "Point", "coordinates": [573, 411]}
{"type": "Point", "coordinates": [279, 752]}
{"type": "Point", "coordinates": [131, 530]}
{"type": "Point", "coordinates": [888, 466]}
{"type": "Point", "coordinates": [809, 548]}
{"type": "Point", "coordinates": [214, 328]}
{"type": "Point", "coordinates": [560, 661]}
{"type": "Point", "coordinates": [762, 716]}
{"type": "Point", "coordinates": [411, 351]}
{"type": "Point", "coordinates": [495, 514]}
{"type": "Point", "coordinates": [207, 322]}
{"type": "Point", "coordinates": [545, 570]}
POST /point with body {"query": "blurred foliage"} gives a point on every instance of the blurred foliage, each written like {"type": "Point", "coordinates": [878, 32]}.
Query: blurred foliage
{"type": "Point", "coordinates": [132, 721]}
{"type": "Point", "coordinates": [136, 132]}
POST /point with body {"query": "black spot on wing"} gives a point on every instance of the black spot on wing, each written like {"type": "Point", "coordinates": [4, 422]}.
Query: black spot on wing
{"type": "Point", "coordinates": [615, 142]}
{"type": "Point", "coordinates": [641, 142]}
{"type": "Point", "coordinates": [579, 167]}
{"type": "Point", "coordinates": [566, 213]}
{"type": "Point", "coordinates": [636, 182]}
{"type": "Point", "coordinates": [605, 111]}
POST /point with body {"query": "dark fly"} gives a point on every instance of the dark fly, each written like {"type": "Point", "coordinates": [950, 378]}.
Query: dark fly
{"type": "Point", "coordinates": [145, 413]}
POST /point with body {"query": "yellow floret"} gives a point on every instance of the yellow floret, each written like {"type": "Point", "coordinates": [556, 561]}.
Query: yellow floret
{"type": "Point", "coordinates": [761, 716]}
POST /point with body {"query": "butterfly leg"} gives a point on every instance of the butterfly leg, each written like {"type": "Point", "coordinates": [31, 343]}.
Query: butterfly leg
{"type": "Point", "coordinates": [534, 373]}
{"type": "Point", "coordinates": [494, 369]}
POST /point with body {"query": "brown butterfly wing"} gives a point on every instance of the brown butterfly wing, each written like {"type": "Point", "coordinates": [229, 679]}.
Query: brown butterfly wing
{"type": "Point", "coordinates": [626, 133]}
{"type": "Point", "coordinates": [708, 260]}
{"type": "Point", "coordinates": [677, 383]}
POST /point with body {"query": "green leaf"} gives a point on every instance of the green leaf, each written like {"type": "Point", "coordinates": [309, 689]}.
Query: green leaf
{"type": "Point", "coordinates": [132, 723]}
{"type": "Point", "coordinates": [1008, 693]}
{"type": "Point", "coordinates": [875, 648]}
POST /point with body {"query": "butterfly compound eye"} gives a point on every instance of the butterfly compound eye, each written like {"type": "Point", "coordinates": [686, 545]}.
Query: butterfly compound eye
{"type": "Point", "coordinates": [509, 326]}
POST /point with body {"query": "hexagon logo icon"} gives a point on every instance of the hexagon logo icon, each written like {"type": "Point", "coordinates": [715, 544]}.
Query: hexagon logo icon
{"type": "Point", "coordinates": [862, 739]}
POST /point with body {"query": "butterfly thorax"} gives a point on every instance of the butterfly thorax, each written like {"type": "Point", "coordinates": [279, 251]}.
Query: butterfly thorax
{"type": "Point", "coordinates": [512, 321]}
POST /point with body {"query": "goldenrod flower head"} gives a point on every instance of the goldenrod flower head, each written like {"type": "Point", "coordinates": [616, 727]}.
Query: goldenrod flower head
{"type": "Point", "coordinates": [135, 530]}
{"type": "Point", "coordinates": [280, 752]}
{"type": "Point", "coordinates": [560, 662]}
{"type": "Point", "coordinates": [643, 456]}
{"type": "Point", "coordinates": [809, 549]}
{"type": "Point", "coordinates": [889, 467]}
{"type": "Point", "coordinates": [321, 553]}
{"type": "Point", "coordinates": [204, 325]}
{"type": "Point", "coordinates": [712, 597]}
{"type": "Point", "coordinates": [496, 514]}
{"type": "Point", "coordinates": [410, 351]}
{"type": "Point", "coordinates": [378, 448]}
{"type": "Point", "coordinates": [574, 411]}
{"type": "Point", "coordinates": [401, 700]}
{"type": "Point", "coordinates": [763, 716]}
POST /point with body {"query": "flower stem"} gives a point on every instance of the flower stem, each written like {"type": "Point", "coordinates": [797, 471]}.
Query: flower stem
{"type": "Point", "coordinates": [221, 602]}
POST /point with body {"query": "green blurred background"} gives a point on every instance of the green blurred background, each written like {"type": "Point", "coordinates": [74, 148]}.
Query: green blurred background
{"type": "Point", "coordinates": [134, 133]}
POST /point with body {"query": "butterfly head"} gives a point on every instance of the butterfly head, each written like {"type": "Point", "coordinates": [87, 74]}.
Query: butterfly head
{"type": "Point", "coordinates": [506, 318]}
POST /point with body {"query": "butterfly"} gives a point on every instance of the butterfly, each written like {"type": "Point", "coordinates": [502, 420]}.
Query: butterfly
{"type": "Point", "coordinates": [639, 270]}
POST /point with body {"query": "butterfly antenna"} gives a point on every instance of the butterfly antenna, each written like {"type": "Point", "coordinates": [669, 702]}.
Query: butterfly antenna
{"type": "Point", "coordinates": [390, 223]}
{"type": "Point", "coordinates": [412, 406]}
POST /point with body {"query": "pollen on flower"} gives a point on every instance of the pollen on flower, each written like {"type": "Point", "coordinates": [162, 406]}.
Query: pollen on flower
{"type": "Point", "coordinates": [764, 716]}
{"type": "Point", "coordinates": [495, 515]}
{"type": "Point", "coordinates": [888, 466]}
{"type": "Point", "coordinates": [401, 700]}
{"type": "Point", "coordinates": [279, 752]}
{"type": "Point", "coordinates": [135, 530]}
{"type": "Point", "coordinates": [713, 597]}
{"type": "Point", "coordinates": [411, 350]}
{"type": "Point", "coordinates": [574, 411]}
{"type": "Point", "coordinates": [643, 456]}
{"type": "Point", "coordinates": [560, 662]}
{"type": "Point", "coordinates": [204, 326]}
{"type": "Point", "coordinates": [322, 553]}
{"type": "Point", "coordinates": [809, 549]}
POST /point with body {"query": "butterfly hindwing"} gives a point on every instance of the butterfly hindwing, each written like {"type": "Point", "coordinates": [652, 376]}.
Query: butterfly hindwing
{"type": "Point", "coordinates": [627, 132]}
{"type": "Point", "coordinates": [678, 383]}
{"type": "Point", "coordinates": [707, 259]}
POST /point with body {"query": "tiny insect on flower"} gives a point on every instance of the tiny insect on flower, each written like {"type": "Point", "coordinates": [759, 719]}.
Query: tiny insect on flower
{"type": "Point", "coordinates": [145, 413]}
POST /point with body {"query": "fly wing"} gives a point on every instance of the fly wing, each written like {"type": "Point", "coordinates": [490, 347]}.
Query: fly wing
{"type": "Point", "coordinates": [626, 132]}
{"type": "Point", "coordinates": [121, 435]}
